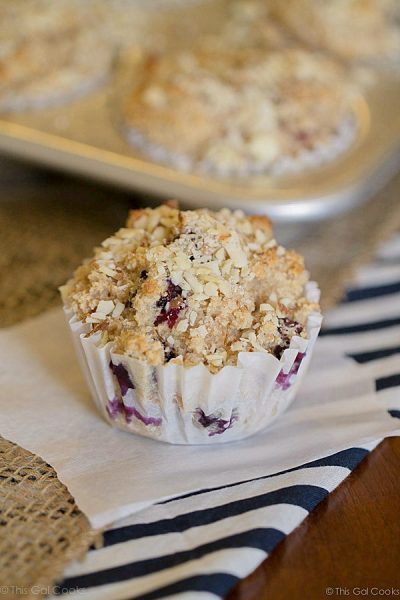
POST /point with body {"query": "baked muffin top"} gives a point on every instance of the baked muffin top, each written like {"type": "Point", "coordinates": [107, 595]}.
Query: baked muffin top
{"type": "Point", "coordinates": [40, 38]}
{"type": "Point", "coordinates": [191, 287]}
{"type": "Point", "coordinates": [366, 30]}
{"type": "Point", "coordinates": [239, 110]}
{"type": "Point", "coordinates": [250, 24]}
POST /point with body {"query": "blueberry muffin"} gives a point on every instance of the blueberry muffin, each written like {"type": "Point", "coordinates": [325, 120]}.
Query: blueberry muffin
{"type": "Point", "coordinates": [354, 30]}
{"type": "Point", "coordinates": [251, 24]}
{"type": "Point", "coordinates": [50, 52]}
{"type": "Point", "coordinates": [240, 111]}
{"type": "Point", "coordinates": [198, 321]}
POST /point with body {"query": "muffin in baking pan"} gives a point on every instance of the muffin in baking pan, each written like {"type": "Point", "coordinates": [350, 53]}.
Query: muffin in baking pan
{"type": "Point", "coordinates": [251, 24]}
{"type": "Point", "coordinates": [50, 52]}
{"type": "Point", "coordinates": [240, 111]}
{"type": "Point", "coordinates": [354, 30]}
{"type": "Point", "coordinates": [193, 326]}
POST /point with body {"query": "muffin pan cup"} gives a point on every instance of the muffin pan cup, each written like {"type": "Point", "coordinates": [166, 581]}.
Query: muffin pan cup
{"type": "Point", "coordinates": [88, 138]}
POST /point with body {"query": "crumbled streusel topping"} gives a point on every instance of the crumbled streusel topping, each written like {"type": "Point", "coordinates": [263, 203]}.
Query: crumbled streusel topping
{"type": "Point", "coordinates": [250, 24]}
{"type": "Point", "coordinates": [239, 110]}
{"type": "Point", "coordinates": [39, 38]}
{"type": "Point", "coordinates": [366, 30]}
{"type": "Point", "coordinates": [192, 287]}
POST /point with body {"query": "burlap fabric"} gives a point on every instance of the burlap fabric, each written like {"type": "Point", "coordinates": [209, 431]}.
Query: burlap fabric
{"type": "Point", "coordinates": [48, 224]}
{"type": "Point", "coordinates": [41, 526]}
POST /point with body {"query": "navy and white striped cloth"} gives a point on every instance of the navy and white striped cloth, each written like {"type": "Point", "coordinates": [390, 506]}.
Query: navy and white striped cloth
{"type": "Point", "coordinates": [199, 545]}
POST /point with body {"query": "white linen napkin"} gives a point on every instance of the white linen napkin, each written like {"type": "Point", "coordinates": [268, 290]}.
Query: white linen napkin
{"type": "Point", "coordinates": [45, 407]}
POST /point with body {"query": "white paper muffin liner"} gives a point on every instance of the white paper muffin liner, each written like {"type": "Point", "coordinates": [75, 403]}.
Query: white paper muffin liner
{"type": "Point", "coordinates": [84, 75]}
{"type": "Point", "coordinates": [306, 160]}
{"type": "Point", "coordinates": [48, 93]}
{"type": "Point", "coordinates": [190, 405]}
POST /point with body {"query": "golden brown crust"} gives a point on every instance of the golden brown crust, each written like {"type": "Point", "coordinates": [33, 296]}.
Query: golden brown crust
{"type": "Point", "coordinates": [261, 222]}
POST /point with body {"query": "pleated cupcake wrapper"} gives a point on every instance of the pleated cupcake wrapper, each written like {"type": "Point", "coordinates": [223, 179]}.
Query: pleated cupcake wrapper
{"type": "Point", "coordinates": [305, 160]}
{"type": "Point", "coordinates": [61, 86]}
{"type": "Point", "coordinates": [48, 94]}
{"type": "Point", "coordinates": [190, 405]}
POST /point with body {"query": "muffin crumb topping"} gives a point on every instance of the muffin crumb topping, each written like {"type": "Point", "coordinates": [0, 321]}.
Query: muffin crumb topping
{"type": "Point", "coordinates": [191, 287]}
{"type": "Point", "coordinates": [239, 110]}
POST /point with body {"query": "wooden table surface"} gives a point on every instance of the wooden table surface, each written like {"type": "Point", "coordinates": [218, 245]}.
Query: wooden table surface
{"type": "Point", "coordinates": [349, 546]}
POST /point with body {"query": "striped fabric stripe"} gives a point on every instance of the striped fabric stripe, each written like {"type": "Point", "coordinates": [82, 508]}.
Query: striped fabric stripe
{"type": "Point", "coordinates": [387, 382]}
{"type": "Point", "coordinates": [199, 545]}
{"type": "Point", "coordinates": [353, 295]}
{"type": "Point", "coordinates": [364, 357]}
{"type": "Point", "coordinates": [395, 413]}
{"type": "Point", "coordinates": [361, 327]}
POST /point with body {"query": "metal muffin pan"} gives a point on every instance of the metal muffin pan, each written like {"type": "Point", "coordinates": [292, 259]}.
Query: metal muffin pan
{"type": "Point", "coordinates": [83, 137]}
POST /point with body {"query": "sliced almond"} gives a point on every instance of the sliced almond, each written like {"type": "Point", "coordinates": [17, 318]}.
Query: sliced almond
{"type": "Point", "coordinates": [193, 282]}
{"type": "Point", "coordinates": [227, 266]}
{"type": "Point", "coordinates": [210, 289]}
{"type": "Point", "coordinates": [237, 346]}
{"type": "Point", "coordinates": [266, 307]}
{"type": "Point", "coordinates": [105, 307]}
{"type": "Point", "coordinates": [107, 271]}
{"type": "Point", "coordinates": [220, 255]}
{"type": "Point", "coordinates": [199, 331]}
{"type": "Point", "coordinates": [118, 310]}
{"type": "Point", "coordinates": [182, 325]}
{"type": "Point", "coordinates": [235, 251]}
{"type": "Point", "coordinates": [192, 317]}
{"type": "Point", "coordinates": [224, 287]}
